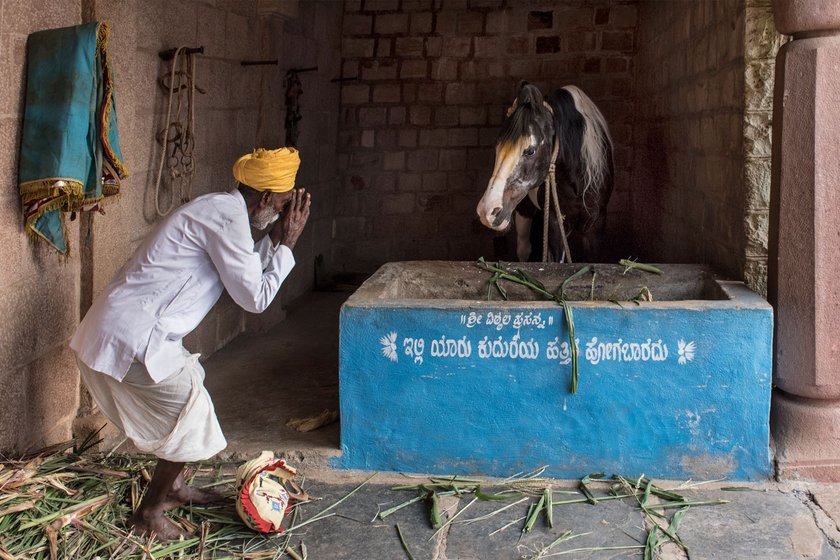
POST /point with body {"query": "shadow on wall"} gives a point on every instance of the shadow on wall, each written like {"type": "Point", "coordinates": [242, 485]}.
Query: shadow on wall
{"type": "Point", "coordinates": [39, 381]}
{"type": "Point", "coordinates": [651, 183]}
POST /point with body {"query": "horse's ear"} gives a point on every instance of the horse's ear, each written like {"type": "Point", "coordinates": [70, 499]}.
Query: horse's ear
{"type": "Point", "coordinates": [529, 95]}
{"type": "Point", "coordinates": [511, 109]}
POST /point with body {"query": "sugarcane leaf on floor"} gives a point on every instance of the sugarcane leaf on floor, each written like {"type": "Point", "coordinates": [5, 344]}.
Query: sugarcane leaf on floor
{"type": "Point", "coordinates": [534, 514]}
{"type": "Point", "coordinates": [404, 544]}
{"type": "Point", "coordinates": [651, 543]}
{"type": "Point", "coordinates": [549, 507]}
{"type": "Point", "coordinates": [434, 514]}
{"type": "Point", "coordinates": [593, 476]}
{"type": "Point", "coordinates": [501, 496]}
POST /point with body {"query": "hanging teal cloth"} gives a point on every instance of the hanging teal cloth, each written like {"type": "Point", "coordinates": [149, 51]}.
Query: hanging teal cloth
{"type": "Point", "coordinates": [70, 155]}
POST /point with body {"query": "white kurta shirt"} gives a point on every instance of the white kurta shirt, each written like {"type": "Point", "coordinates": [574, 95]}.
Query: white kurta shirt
{"type": "Point", "coordinates": [172, 281]}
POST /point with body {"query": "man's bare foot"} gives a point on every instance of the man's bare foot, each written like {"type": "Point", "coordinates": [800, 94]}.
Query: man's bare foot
{"type": "Point", "coordinates": [180, 494]}
{"type": "Point", "coordinates": [189, 494]}
{"type": "Point", "coordinates": [164, 530]}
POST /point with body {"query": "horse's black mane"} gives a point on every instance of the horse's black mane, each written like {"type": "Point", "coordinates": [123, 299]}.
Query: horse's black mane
{"type": "Point", "coordinates": [569, 124]}
{"type": "Point", "coordinates": [516, 125]}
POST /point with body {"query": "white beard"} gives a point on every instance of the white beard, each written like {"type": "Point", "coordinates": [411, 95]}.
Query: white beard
{"type": "Point", "coordinates": [262, 221]}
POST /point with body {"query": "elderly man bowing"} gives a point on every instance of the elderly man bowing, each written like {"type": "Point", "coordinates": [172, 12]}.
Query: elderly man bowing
{"type": "Point", "coordinates": [129, 345]}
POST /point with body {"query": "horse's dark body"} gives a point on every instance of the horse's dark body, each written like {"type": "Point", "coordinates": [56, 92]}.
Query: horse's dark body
{"type": "Point", "coordinates": [583, 171]}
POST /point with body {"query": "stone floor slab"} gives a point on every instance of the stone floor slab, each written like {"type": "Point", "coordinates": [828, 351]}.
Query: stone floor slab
{"type": "Point", "coordinates": [766, 523]}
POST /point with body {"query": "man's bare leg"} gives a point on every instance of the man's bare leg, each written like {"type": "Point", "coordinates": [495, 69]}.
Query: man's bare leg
{"type": "Point", "coordinates": [149, 515]}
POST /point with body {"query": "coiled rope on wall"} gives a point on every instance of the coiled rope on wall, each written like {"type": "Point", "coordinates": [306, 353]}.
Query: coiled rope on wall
{"type": "Point", "coordinates": [177, 137]}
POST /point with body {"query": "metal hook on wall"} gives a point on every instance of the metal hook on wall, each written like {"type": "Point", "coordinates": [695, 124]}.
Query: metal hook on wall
{"type": "Point", "coordinates": [294, 90]}
{"type": "Point", "coordinates": [274, 62]}
{"type": "Point", "coordinates": [169, 53]}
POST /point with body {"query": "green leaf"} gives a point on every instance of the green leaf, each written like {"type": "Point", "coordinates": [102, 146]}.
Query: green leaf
{"type": "Point", "coordinates": [570, 323]}
{"type": "Point", "coordinates": [561, 291]}
{"type": "Point", "coordinates": [528, 278]}
{"type": "Point", "coordinates": [651, 543]}
{"type": "Point", "coordinates": [502, 291]}
{"type": "Point", "coordinates": [549, 507]}
{"type": "Point", "coordinates": [434, 515]}
{"type": "Point", "coordinates": [646, 495]}
{"type": "Point", "coordinates": [589, 497]}
{"type": "Point", "coordinates": [593, 476]}
{"type": "Point", "coordinates": [404, 544]}
{"type": "Point", "coordinates": [666, 505]}
{"type": "Point", "coordinates": [533, 513]}
{"type": "Point", "coordinates": [387, 512]}
{"type": "Point", "coordinates": [676, 521]}
{"type": "Point", "coordinates": [628, 264]}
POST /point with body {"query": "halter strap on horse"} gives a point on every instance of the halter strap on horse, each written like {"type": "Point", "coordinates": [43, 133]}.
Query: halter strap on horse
{"type": "Point", "coordinates": [551, 196]}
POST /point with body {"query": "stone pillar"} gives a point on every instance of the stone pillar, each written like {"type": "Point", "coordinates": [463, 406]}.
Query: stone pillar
{"type": "Point", "coordinates": [804, 275]}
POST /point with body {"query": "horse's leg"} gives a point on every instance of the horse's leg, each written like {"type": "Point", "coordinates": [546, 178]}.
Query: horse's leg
{"type": "Point", "coordinates": [591, 246]}
{"type": "Point", "coordinates": [523, 236]}
{"type": "Point", "coordinates": [555, 242]}
{"type": "Point", "coordinates": [591, 238]}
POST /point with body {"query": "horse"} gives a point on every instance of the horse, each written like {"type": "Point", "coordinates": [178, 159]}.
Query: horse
{"type": "Point", "coordinates": [565, 127]}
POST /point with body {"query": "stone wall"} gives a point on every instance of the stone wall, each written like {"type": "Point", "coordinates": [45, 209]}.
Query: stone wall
{"type": "Point", "coordinates": [243, 108]}
{"type": "Point", "coordinates": [427, 85]}
{"type": "Point", "coordinates": [762, 45]}
{"type": "Point", "coordinates": [39, 382]}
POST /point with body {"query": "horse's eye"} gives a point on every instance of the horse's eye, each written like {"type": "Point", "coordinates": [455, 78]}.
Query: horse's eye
{"type": "Point", "coordinates": [529, 151]}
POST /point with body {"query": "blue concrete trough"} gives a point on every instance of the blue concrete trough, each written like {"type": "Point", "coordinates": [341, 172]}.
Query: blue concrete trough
{"type": "Point", "coordinates": [434, 378]}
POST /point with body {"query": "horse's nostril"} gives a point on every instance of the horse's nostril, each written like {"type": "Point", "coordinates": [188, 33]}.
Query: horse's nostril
{"type": "Point", "coordinates": [496, 211]}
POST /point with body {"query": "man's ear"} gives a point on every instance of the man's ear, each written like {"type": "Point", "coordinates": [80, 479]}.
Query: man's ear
{"type": "Point", "coordinates": [266, 198]}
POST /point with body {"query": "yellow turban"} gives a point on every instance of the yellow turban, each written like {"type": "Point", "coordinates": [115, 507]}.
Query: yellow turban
{"type": "Point", "coordinates": [268, 170]}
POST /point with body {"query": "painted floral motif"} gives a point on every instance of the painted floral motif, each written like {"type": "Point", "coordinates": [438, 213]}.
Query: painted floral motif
{"type": "Point", "coordinates": [686, 351]}
{"type": "Point", "coordinates": [389, 346]}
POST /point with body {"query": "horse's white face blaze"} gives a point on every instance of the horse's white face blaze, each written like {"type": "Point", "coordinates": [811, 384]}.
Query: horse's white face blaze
{"type": "Point", "coordinates": [499, 200]}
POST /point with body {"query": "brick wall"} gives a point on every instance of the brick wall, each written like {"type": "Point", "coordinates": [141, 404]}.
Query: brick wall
{"type": "Point", "coordinates": [688, 187]}
{"type": "Point", "coordinates": [418, 124]}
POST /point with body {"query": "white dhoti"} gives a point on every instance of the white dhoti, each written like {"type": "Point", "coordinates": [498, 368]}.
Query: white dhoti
{"type": "Point", "coordinates": [173, 420]}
